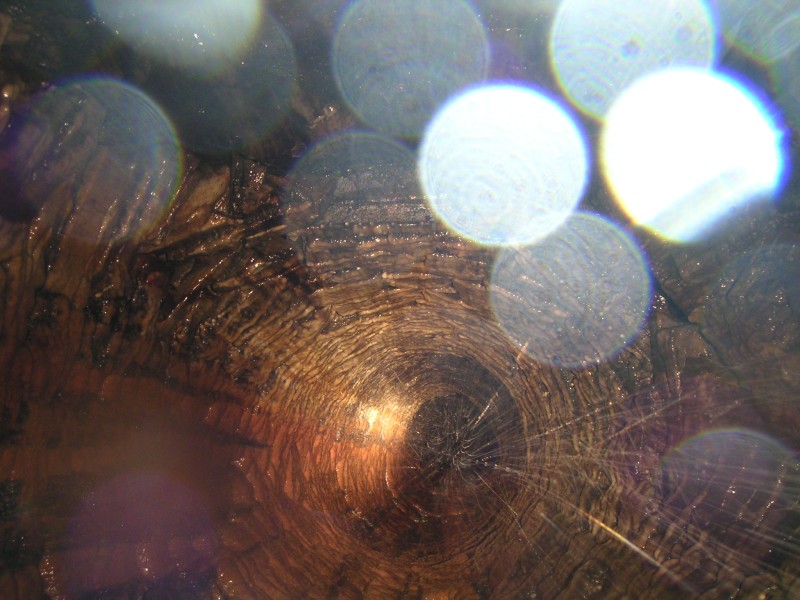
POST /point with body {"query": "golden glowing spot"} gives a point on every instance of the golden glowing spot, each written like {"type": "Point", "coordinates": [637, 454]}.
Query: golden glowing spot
{"type": "Point", "coordinates": [384, 421]}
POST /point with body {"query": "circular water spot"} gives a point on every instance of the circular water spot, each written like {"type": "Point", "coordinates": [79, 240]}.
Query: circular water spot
{"type": "Point", "coordinates": [576, 297]}
{"type": "Point", "coordinates": [598, 48]}
{"type": "Point", "coordinates": [111, 124]}
{"type": "Point", "coordinates": [397, 61]}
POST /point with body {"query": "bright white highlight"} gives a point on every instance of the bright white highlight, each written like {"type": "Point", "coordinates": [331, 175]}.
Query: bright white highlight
{"type": "Point", "coordinates": [577, 297]}
{"type": "Point", "coordinates": [201, 35]}
{"type": "Point", "coordinates": [599, 47]}
{"type": "Point", "coordinates": [397, 61]}
{"type": "Point", "coordinates": [681, 148]}
{"type": "Point", "coordinates": [503, 165]}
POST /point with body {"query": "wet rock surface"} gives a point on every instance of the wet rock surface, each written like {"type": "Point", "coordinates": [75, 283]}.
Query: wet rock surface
{"type": "Point", "coordinates": [269, 394]}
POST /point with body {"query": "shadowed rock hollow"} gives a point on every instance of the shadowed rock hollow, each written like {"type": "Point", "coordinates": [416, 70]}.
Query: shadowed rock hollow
{"type": "Point", "coordinates": [268, 393]}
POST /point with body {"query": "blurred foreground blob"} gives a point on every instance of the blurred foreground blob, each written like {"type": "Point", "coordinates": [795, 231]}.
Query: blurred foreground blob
{"type": "Point", "coordinates": [238, 107]}
{"type": "Point", "coordinates": [203, 37]}
{"type": "Point", "coordinates": [144, 525]}
{"type": "Point", "coordinates": [682, 148]}
{"type": "Point", "coordinates": [397, 61]}
{"type": "Point", "coordinates": [598, 48]}
{"type": "Point", "coordinates": [785, 78]}
{"type": "Point", "coordinates": [503, 165]}
{"type": "Point", "coordinates": [765, 31]}
{"type": "Point", "coordinates": [576, 298]}
{"type": "Point", "coordinates": [101, 122]}
{"type": "Point", "coordinates": [351, 182]}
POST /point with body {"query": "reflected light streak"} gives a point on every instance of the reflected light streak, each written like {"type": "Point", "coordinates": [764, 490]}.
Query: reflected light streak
{"type": "Point", "coordinates": [238, 107]}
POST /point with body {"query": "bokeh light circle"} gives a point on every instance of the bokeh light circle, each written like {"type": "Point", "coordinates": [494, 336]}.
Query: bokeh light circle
{"type": "Point", "coordinates": [766, 31]}
{"type": "Point", "coordinates": [202, 35]}
{"type": "Point", "coordinates": [125, 135]}
{"type": "Point", "coordinates": [397, 61]}
{"type": "Point", "coordinates": [730, 478]}
{"type": "Point", "coordinates": [598, 48]}
{"type": "Point", "coordinates": [503, 165]}
{"type": "Point", "coordinates": [577, 297]}
{"type": "Point", "coordinates": [351, 177]}
{"type": "Point", "coordinates": [681, 148]}
{"type": "Point", "coordinates": [239, 107]}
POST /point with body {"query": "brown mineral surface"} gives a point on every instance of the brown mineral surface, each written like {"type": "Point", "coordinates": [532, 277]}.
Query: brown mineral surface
{"type": "Point", "coordinates": [224, 376]}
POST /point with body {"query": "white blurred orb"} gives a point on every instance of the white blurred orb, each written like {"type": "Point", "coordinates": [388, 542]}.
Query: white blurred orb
{"type": "Point", "coordinates": [397, 61]}
{"type": "Point", "coordinates": [352, 177]}
{"type": "Point", "coordinates": [358, 168]}
{"type": "Point", "coordinates": [575, 298]}
{"type": "Point", "coordinates": [130, 142]}
{"type": "Point", "coordinates": [503, 165]}
{"type": "Point", "coordinates": [599, 47]}
{"type": "Point", "coordinates": [204, 36]}
{"type": "Point", "coordinates": [766, 30]}
{"type": "Point", "coordinates": [682, 148]}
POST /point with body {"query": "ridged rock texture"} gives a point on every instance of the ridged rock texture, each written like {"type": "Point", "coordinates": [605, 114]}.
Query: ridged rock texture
{"type": "Point", "coordinates": [272, 395]}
